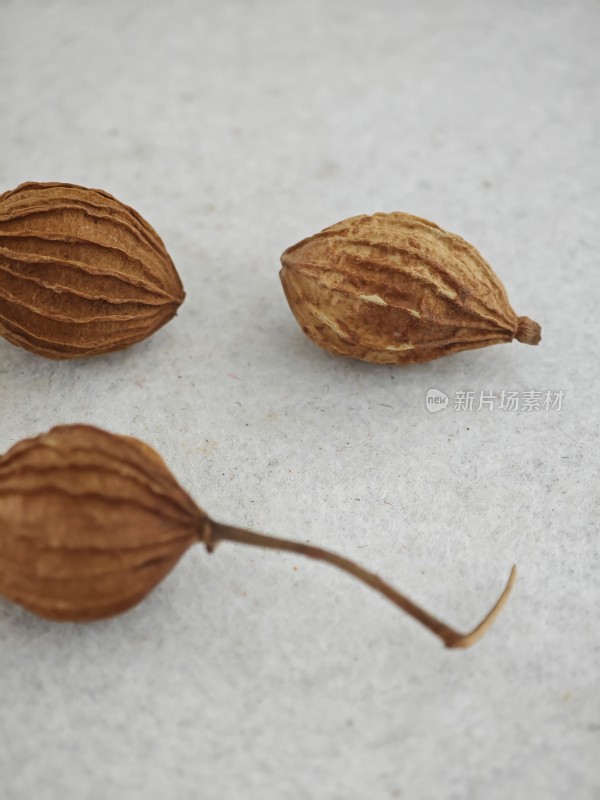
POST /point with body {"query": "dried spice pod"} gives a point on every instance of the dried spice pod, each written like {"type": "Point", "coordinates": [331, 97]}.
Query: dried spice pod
{"type": "Point", "coordinates": [91, 522]}
{"type": "Point", "coordinates": [80, 273]}
{"type": "Point", "coordinates": [397, 289]}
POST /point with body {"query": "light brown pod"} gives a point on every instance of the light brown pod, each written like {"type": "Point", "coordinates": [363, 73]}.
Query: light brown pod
{"type": "Point", "coordinates": [80, 273]}
{"type": "Point", "coordinates": [397, 289]}
{"type": "Point", "coordinates": [91, 522]}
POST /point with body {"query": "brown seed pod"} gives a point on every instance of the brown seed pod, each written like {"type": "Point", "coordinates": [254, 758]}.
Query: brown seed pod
{"type": "Point", "coordinates": [91, 522]}
{"type": "Point", "coordinates": [397, 289]}
{"type": "Point", "coordinates": [80, 273]}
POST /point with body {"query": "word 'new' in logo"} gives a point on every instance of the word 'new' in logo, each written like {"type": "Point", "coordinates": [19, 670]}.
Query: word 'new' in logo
{"type": "Point", "coordinates": [436, 400]}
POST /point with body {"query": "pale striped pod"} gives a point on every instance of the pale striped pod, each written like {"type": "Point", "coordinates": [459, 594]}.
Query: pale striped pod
{"type": "Point", "coordinates": [397, 289]}
{"type": "Point", "coordinates": [80, 273]}
{"type": "Point", "coordinates": [90, 523]}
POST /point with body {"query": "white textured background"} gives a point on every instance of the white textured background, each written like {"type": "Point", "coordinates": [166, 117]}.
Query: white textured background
{"type": "Point", "coordinates": [238, 128]}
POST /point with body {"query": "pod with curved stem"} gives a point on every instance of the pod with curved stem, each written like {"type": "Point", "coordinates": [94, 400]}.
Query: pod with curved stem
{"type": "Point", "coordinates": [91, 522]}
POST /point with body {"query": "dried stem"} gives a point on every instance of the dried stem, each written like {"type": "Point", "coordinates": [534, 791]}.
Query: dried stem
{"type": "Point", "coordinates": [217, 532]}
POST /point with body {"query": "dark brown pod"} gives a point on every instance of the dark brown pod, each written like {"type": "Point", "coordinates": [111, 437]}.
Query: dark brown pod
{"type": "Point", "coordinates": [91, 522]}
{"type": "Point", "coordinates": [81, 273]}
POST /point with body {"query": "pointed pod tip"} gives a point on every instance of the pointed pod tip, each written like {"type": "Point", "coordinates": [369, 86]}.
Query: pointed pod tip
{"type": "Point", "coordinates": [528, 331]}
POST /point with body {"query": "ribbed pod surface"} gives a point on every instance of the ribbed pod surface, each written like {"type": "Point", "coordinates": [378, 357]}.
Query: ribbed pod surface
{"type": "Point", "coordinates": [397, 289]}
{"type": "Point", "coordinates": [90, 523]}
{"type": "Point", "coordinates": [80, 272]}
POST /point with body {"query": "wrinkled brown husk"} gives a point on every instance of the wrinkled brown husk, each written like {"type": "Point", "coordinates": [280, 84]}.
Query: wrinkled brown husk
{"type": "Point", "coordinates": [80, 273]}
{"type": "Point", "coordinates": [397, 289]}
{"type": "Point", "coordinates": [90, 523]}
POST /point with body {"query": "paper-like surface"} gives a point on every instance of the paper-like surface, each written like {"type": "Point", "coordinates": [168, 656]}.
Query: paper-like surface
{"type": "Point", "coordinates": [236, 129]}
